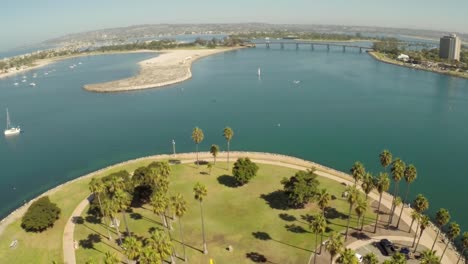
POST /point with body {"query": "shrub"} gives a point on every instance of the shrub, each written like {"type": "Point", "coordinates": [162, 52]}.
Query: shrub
{"type": "Point", "coordinates": [300, 188]}
{"type": "Point", "coordinates": [41, 215]}
{"type": "Point", "coordinates": [244, 170]}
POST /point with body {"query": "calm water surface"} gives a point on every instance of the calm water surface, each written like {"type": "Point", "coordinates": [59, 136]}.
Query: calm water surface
{"type": "Point", "coordinates": [346, 107]}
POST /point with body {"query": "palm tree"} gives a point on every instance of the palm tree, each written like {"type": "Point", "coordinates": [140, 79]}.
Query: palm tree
{"type": "Point", "coordinates": [180, 207]}
{"type": "Point", "coordinates": [360, 210]}
{"type": "Point", "coordinates": [348, 257]}
{"type": "Point", "coordinates": [464, 245]}
{"type": "Point", "coordinates": [162, 244]}
{"type": "Point", "coordinates": [441, 219]}
{"type": "Point", "coordinates": [159, 204]}
{"type": "Point", "coordinates": [109, 208]}
{"type": "Point", "coordinates": [317, 226]}
{"type": "Point", "coordinates": [370, 258]}
{"type": "Point", "coordinates": [421, 204]}
{"type": "Point", "coordinates": [382, 183]}
{"type": "Point", "coordinates": [410, 176]}
{"type": "Point", "coordinates": [122, 202]}
{"type": "Point", "coordinates": [214, 149]}
{"type": "Point", "coordinates": [110, 258]}
{"type": "Point", "coordinates": [429, 257]}
{"type": "Point", "coordinates": [385, 158]}
{"type": "Point", "coordinates": [149, 256]}
{"type": "Point", "coordinates": [368, 184]}
{"type": "Point", "coordinates": [228, 133]}
{"type": "Point", "coordinates": [353, 195]}
{"type": "Point", "coordinates": [453, 232]}
{"type": "Point", "coordinates": [397, 258]}
{"type": "Point", "coordinates": [398, 171]}
{"type": "Point", "coordinates": [197, 137]}
{"type": "Point", "coordinates": [132, 248]}
{"type": "Point", "coordinates": [97, 187]}
{"type": "Point", "coordinates": [357, 171]}
{"type": "Point", "coordinates": [200, 192]}
{"type": "Point", "coordinates": [414, 217]}
{"type": "Point", "coordinates": [209, 166]}
{"type": "Point", "coordinates": [423, 224]}
{"type": "Point", "coordinates": [323, 199]}
{"type": "Point", "coordinates": [335, 245]}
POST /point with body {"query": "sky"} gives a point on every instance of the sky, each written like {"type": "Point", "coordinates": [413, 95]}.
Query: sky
{"type": "Point", "coordinates": [30, 21]}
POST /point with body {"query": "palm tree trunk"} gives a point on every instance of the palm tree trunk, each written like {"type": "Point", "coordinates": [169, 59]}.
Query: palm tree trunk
{"type": "Point", "coordinates": [315, 250]}
{"type": "Point", "coordinates": [126, 224]}
{"type": "Point", "coordinates": [435, 240]}
{"type": "Point", "coordinates": [182, 239]}
{"type": "Point", "coordinates": [415, 234]}
{"type": "Point", "coordinates": [349, 218]}
{"type": "Point", "coordinates": [214, 160]}
{"type": "Point", "coordinates": [173, 248]}
{"type": "Point", "coordinates": [321, 243]}
{"type": "Point", "coordinates": [163, 219]}
{"type": "Point", "coordinates": [100, 209]}
{"type": "Point", "coordinates": [417, 244]}
{"type": "Point", "coordinates": [411, 226]}
{"type": "Point", "coordinates": [443, 253]}
{"type": "Point", "coordinates": [403, 206]}
{"type": "Point", "coordinates": [118, 231]}
{"type": "Point", "coordinates": [362, 222]}
{"type": "Point", "coordinates": [205, 250]}
{"type": "Point", "coordinates": [228, 145]}
{"type": "Point", "coordinates": [197, 155]}
{"type": "Point", "coordinates": [331, 259]}
{"type": "Point", "coordinates": [378, 213]}
{"type": "Point", "coordinates": [463, 253]}
{"type": "Point", "coordinates": [358, 222]}
{"type": "Point", "coordinates": [169, 223]}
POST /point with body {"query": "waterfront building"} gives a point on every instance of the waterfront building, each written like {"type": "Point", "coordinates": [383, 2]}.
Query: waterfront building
{"type": "Point", "coordinates": [450, 47]}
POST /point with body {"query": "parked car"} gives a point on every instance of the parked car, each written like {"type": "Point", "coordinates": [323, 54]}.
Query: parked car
{"type": "Point", "coordinates": [359, 257]}
{"type": "Point", "coordinates": [405, 251]}
{"type": "Point", "coordinates": [387, 247]}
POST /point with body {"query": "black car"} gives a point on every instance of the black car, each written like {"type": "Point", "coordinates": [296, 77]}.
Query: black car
{"type": "Point", "coordinates": [387, 247]}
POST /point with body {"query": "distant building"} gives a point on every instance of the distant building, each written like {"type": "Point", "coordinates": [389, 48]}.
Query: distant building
{"type": "Point", "coordinates": [450, 47]}
{"type": "Point", "coordinates": [403, 57]}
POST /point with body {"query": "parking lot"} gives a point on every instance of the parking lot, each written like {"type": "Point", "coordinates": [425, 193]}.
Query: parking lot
{"type": "Point", "coordinates": [377, 250]}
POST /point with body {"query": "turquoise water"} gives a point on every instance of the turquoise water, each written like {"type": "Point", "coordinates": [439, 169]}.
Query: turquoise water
{"type": "Point", "coordinates": [347, 107]}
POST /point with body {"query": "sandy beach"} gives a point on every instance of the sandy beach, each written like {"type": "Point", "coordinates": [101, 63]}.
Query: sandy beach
{"type": "Point", "coordinates": [170, 67]}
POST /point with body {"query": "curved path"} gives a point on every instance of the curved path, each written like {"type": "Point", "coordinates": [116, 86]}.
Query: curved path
{"type": "Point", "coordinates": [279, 160]}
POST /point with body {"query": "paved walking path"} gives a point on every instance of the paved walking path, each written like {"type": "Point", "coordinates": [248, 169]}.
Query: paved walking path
{"type": "Point", "coordinates": [427, 239]}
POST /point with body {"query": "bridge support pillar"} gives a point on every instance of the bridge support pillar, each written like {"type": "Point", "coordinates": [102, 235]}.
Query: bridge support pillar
{"type": "Point", "coordinates": [328, 47]}
{"type": "Point", "coordinates": [282, 45]}
{"type": "Point", "coordinates": [360, 50]}
{"type": "Point", "coordinates": [312, 46]}
{"type": "Point", "coordinates": [268, 45]}
{"type": "Point", "coordinates": [344, 48]}
{"type": "Point", "coordinates": [297, 46]}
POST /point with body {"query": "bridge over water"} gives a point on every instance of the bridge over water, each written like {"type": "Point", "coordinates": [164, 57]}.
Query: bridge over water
{"type": "Point", "coordinates": [312, 45]}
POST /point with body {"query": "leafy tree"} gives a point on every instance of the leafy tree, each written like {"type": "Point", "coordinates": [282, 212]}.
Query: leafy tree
{"type": "Point", "coordinates": [244, 170]}
{"type": "Point", "coordinates": [300, 188]}
{"type": "Point", "coordinates": [323, 199]}
{"type": "Point", "coordinates": [180, 208]}
{"type": "Point", "coordinates": [228, 133]}
{"type": "Point", "coordinates": [410, 176]}
{"type": "Point", "coordinates": [429, 257]}
{"type": "Point", "coordinates": [317, 226]}
{"type": "Point", "coordinates": [348, 256]}
{"type": "Point", "coordinates": [360, 210]}
{"type": "Point", "coordinates": [160, 168]}
{"type": "Point", "coordinates": [464, 245]}
{"type": "Point", "coordinates": [41, 215]}
{"type": "Point", "coordinates": [132, 248]}
{"type": "Point", "coordinates": [382, 184]}
{"type": "Point", "coordinates": [149, 256]}
{"type": "Point", "coordinates": [214, 150]}
{"type": "Point", "coordinates": [453, 232]}
{"type": "Point", "coordinates": [200, 192]}
{"type": "Point", "coordinates": [398, 171]}
{"type": "Point", "coordinates": [423, 224]}
{"type": "Point", "coordinates": [161, 243]}
{"type": "Point", "coordinates": [441, 219]}
{"type": "Point", "coordinates": [352, 198]}
{"type": "Point", "coordinates": [370, 258]}
{"type": "Point", "coordinates": [197, 137]}
{"type": "Point", "coordinates": [111, 258]}
{"type": "Point", "coordinates": [357, 171]}
{"type": "Point", "coordinates": [335, 245]}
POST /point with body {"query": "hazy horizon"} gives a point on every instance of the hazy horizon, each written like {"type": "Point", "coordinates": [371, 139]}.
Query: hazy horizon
{"type": "Point", "coordinates": [36, 21]}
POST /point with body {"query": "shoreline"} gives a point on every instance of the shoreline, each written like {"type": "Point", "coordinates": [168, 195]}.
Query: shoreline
{"type": "Point", "coordinates": [384, 59]}
{"type": "Point", "coordinates": [170, 67]}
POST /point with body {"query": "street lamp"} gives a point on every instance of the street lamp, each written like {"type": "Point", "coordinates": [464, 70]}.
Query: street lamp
{"type": "Point", "coordinates": [173, 147]}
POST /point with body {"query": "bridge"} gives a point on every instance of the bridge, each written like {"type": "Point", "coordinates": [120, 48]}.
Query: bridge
{"type": "Point", "coordinates": [311, 44]}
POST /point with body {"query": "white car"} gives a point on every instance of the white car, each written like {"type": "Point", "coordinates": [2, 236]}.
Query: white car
{"type": "Point", "coordinates": [359, 257]}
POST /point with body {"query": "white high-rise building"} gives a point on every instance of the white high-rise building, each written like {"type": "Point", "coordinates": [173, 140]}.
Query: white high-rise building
{"type": "Point", "coordinates": [450, 47]}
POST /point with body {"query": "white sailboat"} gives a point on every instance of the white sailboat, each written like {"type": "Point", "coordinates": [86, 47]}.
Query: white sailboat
{"type": "Point", "coordinates": [259, 72]}
{"type": "Point", "coordinates": [9, 129]}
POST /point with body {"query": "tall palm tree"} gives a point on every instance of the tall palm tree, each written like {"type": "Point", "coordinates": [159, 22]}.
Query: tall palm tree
{"type": "Point", "coordinates": [97, 187]}
{"type": "Point", "coordinates": [357, 171]}
{"type": "Point", "coordinates": [200, 192]}
{"type": "Point", "coordinates": [398, 171]}
{"type": "Point", "coordinates": [149, 256]}
{"type": "Point", "coordinates": [385, 158]}
{"type": "Point", "coordinates": [360, 210]}
{"type": "Point", "coordinates": [132, 248]}
{"type": "Point", "coordinates": [441, 219]}
{"type": "Point", "coordinates": [110, 258]}
{"type": "Point", "coordinates": [367, 184]}
{"type": "Point", "coordinates": [214, 149]}
{"type": "Point", "coordinates": [162, 244]}
{"type": "Point", "coordinates": [382, 183]}
{"type": "Point", "coordinates": [370, 258]}
{"type": "Point", "coordinates": [423, 224]}
{"type": "Point", "coordinates": [159, 204]}
{"type": "Point", "coordinates": [228, 133]}
{"type": "Point", "coordinates": [317, 226]}
{"type": "Point", "coordinates": [323, 199]}
{"type": "Point", "coordinates": [197, 137]}
{"type": "Point", "coordinates": [353, 195]}
{"type": "Point", "coordinates": [464, 245]}
{"type": "Point", "coordinates": [410, 176]}
{"type": "Point", "coordinates": [122, 202]}
{"type": "Point", "coordinates": [180, 207]}
{"type": "Point", "coordinates": [429, 257]}
{"type": "Point", "coordinates": [453, 232]}
{"type": "Point", "coordinates": [335, 245]}
{"type": "Point", "coordinates": [110, 209]}
{"type": "Point", "coordinates": [421, 204]}
{"type": "Point", "coordinates": [414, 217]}
{"type": "Point", "coordinates": [397, 258]}
{"type": "Point", "coordinates": [348, 256]}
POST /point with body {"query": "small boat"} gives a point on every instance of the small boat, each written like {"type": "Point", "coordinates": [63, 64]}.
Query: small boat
{"type": "Point", "coordinates": [16, 84]}
{"type": "Point", "coordinates": [32, 84]}
{"type": "Point", "coordinates": [259, 72]}
{"type": "Point", "coordinates": [80, 63]}
{"type": "Point", "coordinates": [46, 73]}
{"type": "Point", "coordinates": [296, 82]}
{"type": "Point", "coordinates": [24, 77]}
{"type": "Point", "coordinates": [23, 81]}
{"type": "Point", "coordinates": [9, 129]}
{"type": "Point", "coordinates": [35, 75]}
{"type": "Point", "coordinates": [71, 66]}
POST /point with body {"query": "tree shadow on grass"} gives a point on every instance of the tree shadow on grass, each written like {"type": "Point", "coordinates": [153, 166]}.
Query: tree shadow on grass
{"type": "Point", "coordinates": [77, 220]}
{"type": "Point", "coordinates": [174, 161]}
{"type": "Point", "coordinates": [287, 217]}
{"type": "Point", "coordinates": [136, 216]}
{"type": "Point", "coordinates": [89, 242]}
{"type": "Point", "coordinates": [228, 181]}
{"type": "Point", "coordinates": [256, 257]}
{"type": "Point", "coordinates": [93, 219]}
{"type": "Point", "coordinates": [332, 213]}
{"type": "Point", "coordinates": [296, 229]}
{"type": "Point", "coordinates": [276, 200]}
{"type": "Point", "coordinates": [265, 237]}
{"type": "Point", "coordinates": [360, 235]}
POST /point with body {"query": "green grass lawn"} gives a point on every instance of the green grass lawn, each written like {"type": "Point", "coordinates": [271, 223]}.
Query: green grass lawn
{"type": "Point", "coordinates": [252, 218]}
